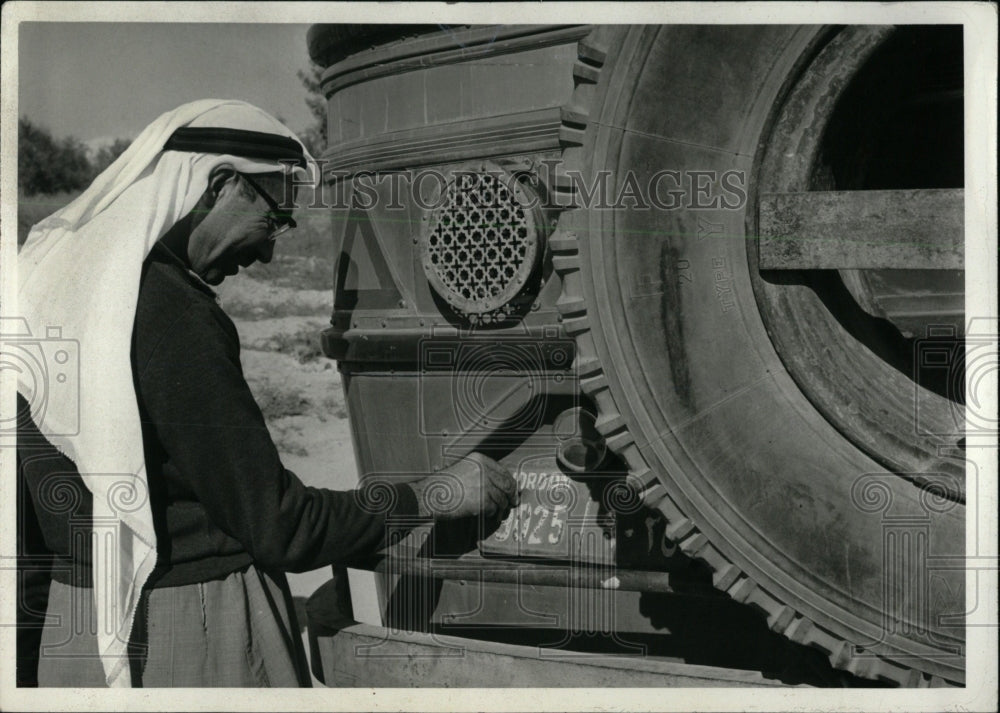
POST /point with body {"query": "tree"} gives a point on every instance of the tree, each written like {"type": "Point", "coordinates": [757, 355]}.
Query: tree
{"type": "Point", "coordinates": [107, 154]}
{"type": "Point", "coordinates": [49, 165]}
{"type": "Point", "coordinates": [314, 137]}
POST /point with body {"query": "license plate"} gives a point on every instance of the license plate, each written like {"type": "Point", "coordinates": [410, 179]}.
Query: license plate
{"type": "Point", "coordinates": [565, 517]}
{"type": "Point", "coordinates": [559, 517]}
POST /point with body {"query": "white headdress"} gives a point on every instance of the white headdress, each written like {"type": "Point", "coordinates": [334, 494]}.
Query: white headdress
{"type": "Point", "coordinates": [79, 274]}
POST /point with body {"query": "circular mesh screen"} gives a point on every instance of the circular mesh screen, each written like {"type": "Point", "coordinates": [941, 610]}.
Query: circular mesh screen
{"type": "Point", "coordinates": [480, 244]}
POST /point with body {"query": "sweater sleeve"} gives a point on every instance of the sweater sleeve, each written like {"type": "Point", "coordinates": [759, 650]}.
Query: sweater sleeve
{"type": "Point", "coordinates": [193, 393]}
{"type": "Point", "coordinates": [34, 567]}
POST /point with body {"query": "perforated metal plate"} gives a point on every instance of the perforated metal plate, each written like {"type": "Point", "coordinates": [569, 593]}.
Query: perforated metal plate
{"type": "Point", "coordinates": [479, 244]}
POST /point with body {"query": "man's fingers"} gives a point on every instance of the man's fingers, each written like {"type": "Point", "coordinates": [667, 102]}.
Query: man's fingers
{"type": "Point", "coordinates": [501, 479]}
{"type": "Point", "coordinates": [508, 501]}
{"type": "Point", "coordinates": [488, 463]}
{"type": "Point", "coordinates": [505, 483]}
{"type": "Point", "coordinates": [494, 501]}
{"type": "Point", "coordinates": [500, 475]}
{"type": "Point", "coordinates": [497, 486]}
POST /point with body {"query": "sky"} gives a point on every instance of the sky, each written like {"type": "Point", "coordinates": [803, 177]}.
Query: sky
{"type": "Point", "coordinates": [99, 81]}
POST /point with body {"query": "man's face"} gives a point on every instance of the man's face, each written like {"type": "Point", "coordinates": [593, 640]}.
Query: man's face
{"type": "Point", "coordinates": [236, 231]}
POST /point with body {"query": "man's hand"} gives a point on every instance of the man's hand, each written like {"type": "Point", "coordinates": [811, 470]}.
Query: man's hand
{"type": "Point", "coordinates": [476, 484]}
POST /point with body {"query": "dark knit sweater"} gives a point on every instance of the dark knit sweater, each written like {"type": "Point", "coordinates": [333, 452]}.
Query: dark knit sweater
{"type": "Point", "coordinates": [219, 494]}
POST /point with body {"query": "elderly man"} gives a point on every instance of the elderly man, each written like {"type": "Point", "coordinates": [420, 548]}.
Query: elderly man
{"type": "Point", "coordinates": [156, 486]}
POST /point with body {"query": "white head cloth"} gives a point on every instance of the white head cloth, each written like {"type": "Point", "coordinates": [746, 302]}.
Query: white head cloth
{"type": "Point", "coordinates": [79, 274]}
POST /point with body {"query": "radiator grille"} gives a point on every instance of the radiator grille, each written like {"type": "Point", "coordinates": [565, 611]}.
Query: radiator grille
{"type": "Point", "coordinates": [480, 242]}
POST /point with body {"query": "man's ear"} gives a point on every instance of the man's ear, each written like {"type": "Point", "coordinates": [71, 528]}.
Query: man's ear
{"type": "Point", "coordinates": [217, 180]}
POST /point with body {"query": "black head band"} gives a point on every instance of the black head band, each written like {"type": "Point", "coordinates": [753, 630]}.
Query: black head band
{"type": "Point", "coordinates": [238, 142]}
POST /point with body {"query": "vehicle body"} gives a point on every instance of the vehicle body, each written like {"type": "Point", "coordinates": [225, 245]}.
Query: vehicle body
{"type": "Point", "coordinates": [683, 282]}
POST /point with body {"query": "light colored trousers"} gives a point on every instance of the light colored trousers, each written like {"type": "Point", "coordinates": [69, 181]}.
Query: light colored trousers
{"type": "Point", "coordinates": [237, 631]}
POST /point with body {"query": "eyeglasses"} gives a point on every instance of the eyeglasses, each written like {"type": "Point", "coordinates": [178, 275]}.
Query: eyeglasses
{"type": "Point", "coordinates": [281, 220]}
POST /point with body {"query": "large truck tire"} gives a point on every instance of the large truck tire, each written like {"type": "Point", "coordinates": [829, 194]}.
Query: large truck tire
{"type": "Point", "coordinates": [842, 543]}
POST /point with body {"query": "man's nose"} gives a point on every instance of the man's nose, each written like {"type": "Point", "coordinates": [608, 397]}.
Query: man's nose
{"type": "Point", "coordinates": [266, 251]}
